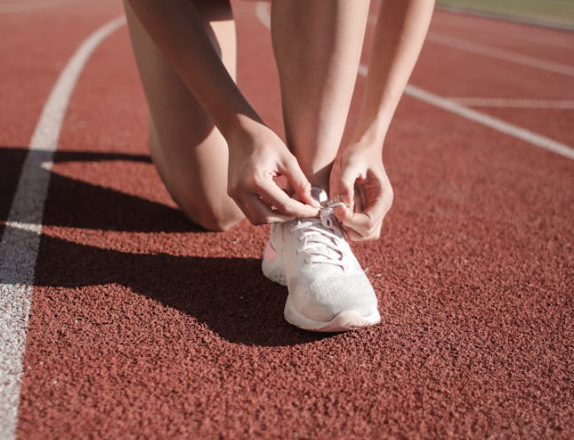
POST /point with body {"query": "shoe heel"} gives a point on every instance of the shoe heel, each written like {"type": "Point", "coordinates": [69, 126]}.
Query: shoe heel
{"type": "Point", "coordinates": [272, 265]}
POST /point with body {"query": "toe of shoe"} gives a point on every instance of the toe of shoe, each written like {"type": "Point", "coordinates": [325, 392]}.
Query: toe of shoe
{"type": "Point", "coordinates": [342, 321]}
{"type": "Point", "coordinates": [325, 301]}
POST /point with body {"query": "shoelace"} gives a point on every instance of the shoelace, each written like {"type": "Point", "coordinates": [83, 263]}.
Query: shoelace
{"type": "Point", "coordinates": [319, 239]}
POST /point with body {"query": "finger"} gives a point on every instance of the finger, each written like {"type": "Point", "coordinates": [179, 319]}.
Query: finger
{"type": "Point", "coordinates": [368, 213]}
{"type": "Point", "coordinates": [373, 235]}
{"type": "Point", "coordinates": [364, 224]}
{"type": "Point", "coordinates": [350, 223]}
{"type": "Point", "coordinates": [299, 182]}
{"type": "Point", "coordinates": [285, 205]}
{"type": "Point", "coordinates": [350, 219]}
{"type": "Point", "coordinates": [353, 236]}
{"type": "Point", "coordinates": [358, 221]}
{"type": "Point", "coordinates": [376, 211]}
{"type": "Point", "coordinates": [269, 204]}
{"type": "Point", "coordinates": [258, 213]}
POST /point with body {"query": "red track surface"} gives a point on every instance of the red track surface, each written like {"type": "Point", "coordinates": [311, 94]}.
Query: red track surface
{"type": "Point", "coordinates": [143, 326]}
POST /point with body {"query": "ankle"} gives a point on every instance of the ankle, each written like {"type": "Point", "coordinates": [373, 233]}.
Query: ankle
{"type": "Point", "coordinates": [320, 179]}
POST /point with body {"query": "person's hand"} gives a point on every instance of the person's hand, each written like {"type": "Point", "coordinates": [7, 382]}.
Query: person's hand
{"type": "Point", "coordinates": [359, 180]}
{"type": "Point", "coordinates": [256, 156]}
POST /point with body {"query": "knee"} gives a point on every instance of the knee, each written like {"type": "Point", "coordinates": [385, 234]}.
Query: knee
{"type": "Point", "coordinates": [220, 223]}
{"type": "Point", "coordinates": [216, 217]}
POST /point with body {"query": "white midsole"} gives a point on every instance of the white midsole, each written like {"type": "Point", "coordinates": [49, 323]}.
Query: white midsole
{"type": "Point", "coordinates": [342, 321]}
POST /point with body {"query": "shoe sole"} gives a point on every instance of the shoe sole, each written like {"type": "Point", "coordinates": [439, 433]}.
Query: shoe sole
{"type": "Point", "coordinates": [343, 321]}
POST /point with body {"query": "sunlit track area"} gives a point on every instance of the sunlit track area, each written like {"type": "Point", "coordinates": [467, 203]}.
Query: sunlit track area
{"type": "Point", "coordinates": [120, 318]}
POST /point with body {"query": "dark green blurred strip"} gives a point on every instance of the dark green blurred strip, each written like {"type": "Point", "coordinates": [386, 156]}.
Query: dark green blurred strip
{"type": "Point", "coordinates": [552, 12]}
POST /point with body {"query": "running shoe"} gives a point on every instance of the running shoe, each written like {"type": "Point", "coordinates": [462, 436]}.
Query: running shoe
{"type": "Point", "coordinates": [328, 289]}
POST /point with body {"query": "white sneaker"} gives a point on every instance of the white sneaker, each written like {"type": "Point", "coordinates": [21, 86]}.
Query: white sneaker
{"type": "Point", "coordinates": [328, 290]}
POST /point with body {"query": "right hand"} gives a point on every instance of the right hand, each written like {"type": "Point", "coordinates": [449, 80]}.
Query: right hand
{"type": "Point", "coordinates": [256, 156]}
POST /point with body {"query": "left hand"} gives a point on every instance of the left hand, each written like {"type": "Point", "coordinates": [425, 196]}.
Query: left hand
{"type": "Point", "coordinates": [359, 179]}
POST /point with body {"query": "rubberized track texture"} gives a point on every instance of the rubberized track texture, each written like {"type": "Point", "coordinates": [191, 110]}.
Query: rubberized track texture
{"type": "Point", "coordinates": [144, 326]}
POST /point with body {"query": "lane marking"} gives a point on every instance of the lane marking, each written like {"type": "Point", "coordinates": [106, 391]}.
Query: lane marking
{"type": "Point", "coordinates": [514, 103]}
{"type": "Point", "coordinates": [482, 118]}
{"type": "Point", "coordinates": [500, 54]}
{"type": "Point", "coordinates": [539, 39]}
{"type": "Point", "coordinates": [495, 52]}
{"type": "Point", "coordinates": [262, 12]}
{"type": "Point", "coordinates": [21, 239]}
{"type": "Point", "coordinates": [491, 122]}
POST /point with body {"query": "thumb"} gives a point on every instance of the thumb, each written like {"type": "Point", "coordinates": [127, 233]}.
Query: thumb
{"type": "Point", "coordinates": [343, 214]}
{"type": "Point", "coordinates": [299, 182]}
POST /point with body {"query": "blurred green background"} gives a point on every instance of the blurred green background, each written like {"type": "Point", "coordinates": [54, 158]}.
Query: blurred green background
{"type": "Point", "coordinates": [556, 12]}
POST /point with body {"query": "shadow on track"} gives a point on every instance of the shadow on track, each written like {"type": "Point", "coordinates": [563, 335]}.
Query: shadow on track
{"type": "Point", "coordinates": [229, 295]}
{"type": "Point", "coordinates": [11, 161]}
{"type": "Point", "coordinates": [78, 204]}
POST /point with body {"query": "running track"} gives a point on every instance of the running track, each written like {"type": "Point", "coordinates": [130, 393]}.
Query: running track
{"type": "Point", "coordinates": [142, 326]}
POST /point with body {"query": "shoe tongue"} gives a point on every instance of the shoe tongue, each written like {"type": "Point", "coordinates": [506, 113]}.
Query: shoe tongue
{"type": "Point", "coordinates": [319, 194]}
{"type": "Point", "coordinates": [328, 220]}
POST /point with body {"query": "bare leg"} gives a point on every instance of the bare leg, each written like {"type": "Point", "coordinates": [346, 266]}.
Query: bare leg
{"type": "Point", "coordinates": [317, 47]}
{"type": "Point", "coordinates": [188, 150]}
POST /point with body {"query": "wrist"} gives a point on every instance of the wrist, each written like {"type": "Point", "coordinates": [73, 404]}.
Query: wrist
{"type": "Point", "coordinates": [370, 134]}
{"type": "Point", "coordinates": [369, 140]}
{"type": "Point", "coordinates": [238, 125]}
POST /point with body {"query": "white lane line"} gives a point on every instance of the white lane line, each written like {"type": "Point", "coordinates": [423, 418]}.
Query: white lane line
{"type": "Point", "coordinates": [21, 239]}
{"type": "Point", "coordinates": [495, 52]}
{"type": "Point", "coordinates": [262, 12]}
{"type": "Point", "coordinates": [492, 122]}
{"type": "Point", "coordinates": [501, 54]}
{"type": "Point", "coordinates": [482, 118]}
{"type": "Point", "coordinates": [514, 103]}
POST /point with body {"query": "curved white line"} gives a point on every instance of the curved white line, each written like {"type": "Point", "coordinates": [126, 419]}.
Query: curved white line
{"type": "Point", "coordinates": [21, 239]}
{"type": "Point", "coordinates": [263, 13]}
{"type": "Point", "coordinates": [500, 54]}
{"type": "Point", "coordinates": [490, 121]}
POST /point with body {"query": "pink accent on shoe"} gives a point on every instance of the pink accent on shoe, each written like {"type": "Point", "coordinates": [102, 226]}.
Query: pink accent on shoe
{"type": "Point", "coordinates": [270, 253]}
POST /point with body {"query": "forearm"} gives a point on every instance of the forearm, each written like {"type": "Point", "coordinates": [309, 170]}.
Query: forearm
{"type": "Point", "coordinates": [178, 31]}
{"type": "Point", "coordinates": [400, 32]}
